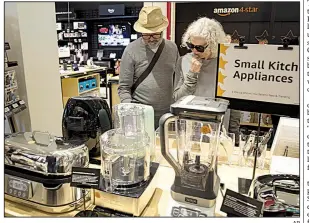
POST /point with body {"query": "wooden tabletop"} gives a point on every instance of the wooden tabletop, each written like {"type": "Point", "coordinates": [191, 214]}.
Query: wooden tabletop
{"type": "Point", "coordinates": [163, 179]}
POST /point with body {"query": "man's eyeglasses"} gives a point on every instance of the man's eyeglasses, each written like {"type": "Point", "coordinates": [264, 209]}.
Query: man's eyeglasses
{"type": "Point", "coordinates": [199, 48]}
{"type": "Point", "coordinates": [154, 36]}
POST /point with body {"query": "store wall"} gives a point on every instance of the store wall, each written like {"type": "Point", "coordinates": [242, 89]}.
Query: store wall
{"type": "Point", "coordinates": [258, 22]}
{"type": "Point", "coordinates": [35, 43]}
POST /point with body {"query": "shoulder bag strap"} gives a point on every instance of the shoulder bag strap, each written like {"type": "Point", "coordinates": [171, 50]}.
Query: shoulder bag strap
{"type": "Point", "coordinates": [149, 68]}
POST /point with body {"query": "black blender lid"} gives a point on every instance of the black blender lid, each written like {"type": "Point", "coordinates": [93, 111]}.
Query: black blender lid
{"type": "Point", "coordinates": [199, 105]}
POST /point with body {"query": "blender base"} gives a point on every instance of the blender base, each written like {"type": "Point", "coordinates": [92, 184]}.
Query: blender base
{"type": "Point", "coordinates": [190, 199]}
{"type": "Point", "coordinates": [133, 202]}
{"type": "Point", "coordinates": [183, 209]}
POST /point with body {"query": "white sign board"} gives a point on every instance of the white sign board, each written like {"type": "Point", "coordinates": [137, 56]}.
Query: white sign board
{"type": "Point", "coordinates": [259, 73]}
{"type": "Point", "coordinates": [63, 52]}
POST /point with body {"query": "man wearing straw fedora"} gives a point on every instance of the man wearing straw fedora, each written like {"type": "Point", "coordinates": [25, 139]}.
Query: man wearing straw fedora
{"type": "Point", "coordinates": [147, 64]}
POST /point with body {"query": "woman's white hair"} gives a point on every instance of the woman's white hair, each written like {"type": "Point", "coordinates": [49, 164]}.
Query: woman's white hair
{"type": "Point", "coordinates": [209, 29]}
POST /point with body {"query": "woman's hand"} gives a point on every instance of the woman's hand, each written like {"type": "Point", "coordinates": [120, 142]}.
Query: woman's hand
{"type": "Point", "coordinates": [195, 65]}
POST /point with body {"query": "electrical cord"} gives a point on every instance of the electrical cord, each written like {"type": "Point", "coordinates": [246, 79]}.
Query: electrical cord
{"type": "Point", "coordinates": [221, 189]}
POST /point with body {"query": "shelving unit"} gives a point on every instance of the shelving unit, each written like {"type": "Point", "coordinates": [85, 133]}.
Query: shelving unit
{"type": "Point", "coordinates": [12, 102]}
{"type": "Point", "coordinates": [71, 86]}
{"type": "Point", "coordinates": [99, 18]}
{"type": "Point", "coordinates": [74, 38]}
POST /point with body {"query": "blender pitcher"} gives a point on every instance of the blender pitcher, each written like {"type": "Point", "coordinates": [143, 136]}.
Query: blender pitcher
{"type": "Point", "coordinates": [198, 122]}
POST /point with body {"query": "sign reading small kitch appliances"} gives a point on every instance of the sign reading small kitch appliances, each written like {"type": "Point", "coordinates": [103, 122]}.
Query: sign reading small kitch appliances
{"type": "Point", "coordinates": [259, 73]}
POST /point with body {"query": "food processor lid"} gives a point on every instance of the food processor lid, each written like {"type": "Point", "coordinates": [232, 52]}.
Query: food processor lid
{"type": "Point", "coordinates": [129, 109]}
{"type": "Point", "coordinates": [117, 142]}
{"type": "Point", "coordinates": [201, 105]}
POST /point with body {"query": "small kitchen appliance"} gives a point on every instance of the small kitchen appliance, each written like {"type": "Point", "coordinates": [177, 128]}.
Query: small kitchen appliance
{"type": "Point", "coordinates": [85, 118]}
{"type": "Point", "coordinates": [198, 123]}
{"type": "Point", "coordinates": [127, 172]}
{"type": "Point", "coordinates": [280, 194]}
{"type": "Point", "coordinates": [38, 171]}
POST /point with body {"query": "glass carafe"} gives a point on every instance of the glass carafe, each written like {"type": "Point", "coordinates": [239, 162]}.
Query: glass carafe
{"type": "Point", "coordinates": [125, 159]}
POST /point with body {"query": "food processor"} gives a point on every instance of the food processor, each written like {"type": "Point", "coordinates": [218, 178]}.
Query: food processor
{"type": "Point", "coordinates": [127, 172]}
{"type": "Point", "coordinates": [198, 123]}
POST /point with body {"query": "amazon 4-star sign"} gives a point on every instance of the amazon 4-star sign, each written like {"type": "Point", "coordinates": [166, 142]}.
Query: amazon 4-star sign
{"type": "Point", "coordinates": [261, 73]}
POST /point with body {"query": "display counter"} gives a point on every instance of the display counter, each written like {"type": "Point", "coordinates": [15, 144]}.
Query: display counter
{"type": "Point", "coordinates": [81, 71]}
{"type": "Point", "coordinates": [84, 82]}
{"type": "Point", "coordinates": [161, 199]}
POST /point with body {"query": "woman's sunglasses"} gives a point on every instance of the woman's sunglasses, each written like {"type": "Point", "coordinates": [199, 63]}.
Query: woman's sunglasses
{"type": "Point", "coordinates": [154, 36]}
{"type": "Point", "coordinates": [199, 48]}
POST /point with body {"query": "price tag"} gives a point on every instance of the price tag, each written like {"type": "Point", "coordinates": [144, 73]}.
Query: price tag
{"type": "Point", "coordinates": [6, 109]}
{"type": "Point", "coordinates": [21, 102]}
{"type": "Point", "coordinates": [15, 105]}
{"type": "Point", "coordinates": [85, 177]}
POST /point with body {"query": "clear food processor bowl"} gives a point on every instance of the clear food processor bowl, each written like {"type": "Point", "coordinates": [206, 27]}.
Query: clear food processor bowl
{"type": "Point", "coordinates": [125, 159]}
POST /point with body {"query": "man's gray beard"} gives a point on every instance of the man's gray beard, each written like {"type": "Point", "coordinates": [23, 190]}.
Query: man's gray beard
{"type": "Point", "coordinates": [154, 45]}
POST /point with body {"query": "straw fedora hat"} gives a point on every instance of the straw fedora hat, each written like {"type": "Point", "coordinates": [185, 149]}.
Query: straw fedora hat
{"type": "Point", "coordinates": [151, 20]}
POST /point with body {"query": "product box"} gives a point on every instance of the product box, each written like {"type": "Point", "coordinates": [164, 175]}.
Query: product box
{"type": "Point", "coordinates": [266, 119]}
{"type": "Point", "coordinates": [247, 117]}
{"type": "Point", "coordinates": [81, 86]}
{"type": "Point", "coordinates": [10, 79]}
{"type": "Point", "coordinates": [10, 96]}
{"type": "Point", "coordinates": [93, 83]}
{"type": "Point", "coordinates": [111, 10]}
{"type": "Point", "coordinates": [87, 85]}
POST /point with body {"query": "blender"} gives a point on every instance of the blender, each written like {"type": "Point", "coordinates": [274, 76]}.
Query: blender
{"type": "Point", "coordinates": [198, 123]}
{"type": "Point", "coordinates": [127, 172]}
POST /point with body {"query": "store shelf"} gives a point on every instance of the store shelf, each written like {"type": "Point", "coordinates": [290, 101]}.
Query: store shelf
{"type": "Point", "coordinates": [68, 39]}
{"type": "Point", "coordinates": [78, 49]}
{"type": "Point", "coordinates": [99, 18]}
{"type": "Point", "coordinates": [255, 125]}
{"type": "Point", "coordinates": [94, 89]}
{"type": "Point", "coordinates": [75, 37]}
{"type": "Point", "coordinates": [14, 108]}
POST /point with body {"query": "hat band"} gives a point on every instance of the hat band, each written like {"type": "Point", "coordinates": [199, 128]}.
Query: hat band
{"type": "Point", "coordinates": [153, 26]}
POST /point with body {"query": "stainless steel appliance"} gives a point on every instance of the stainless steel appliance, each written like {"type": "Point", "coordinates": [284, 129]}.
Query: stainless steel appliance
{"type": "Point", "coordinates": [38, 171]}
{"type": "Point", "coordinates": [127, 171]}
{"type": "Point", "coordinates": [280, 194]}
{"type": "Point", "coordinates": [198, 123]}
